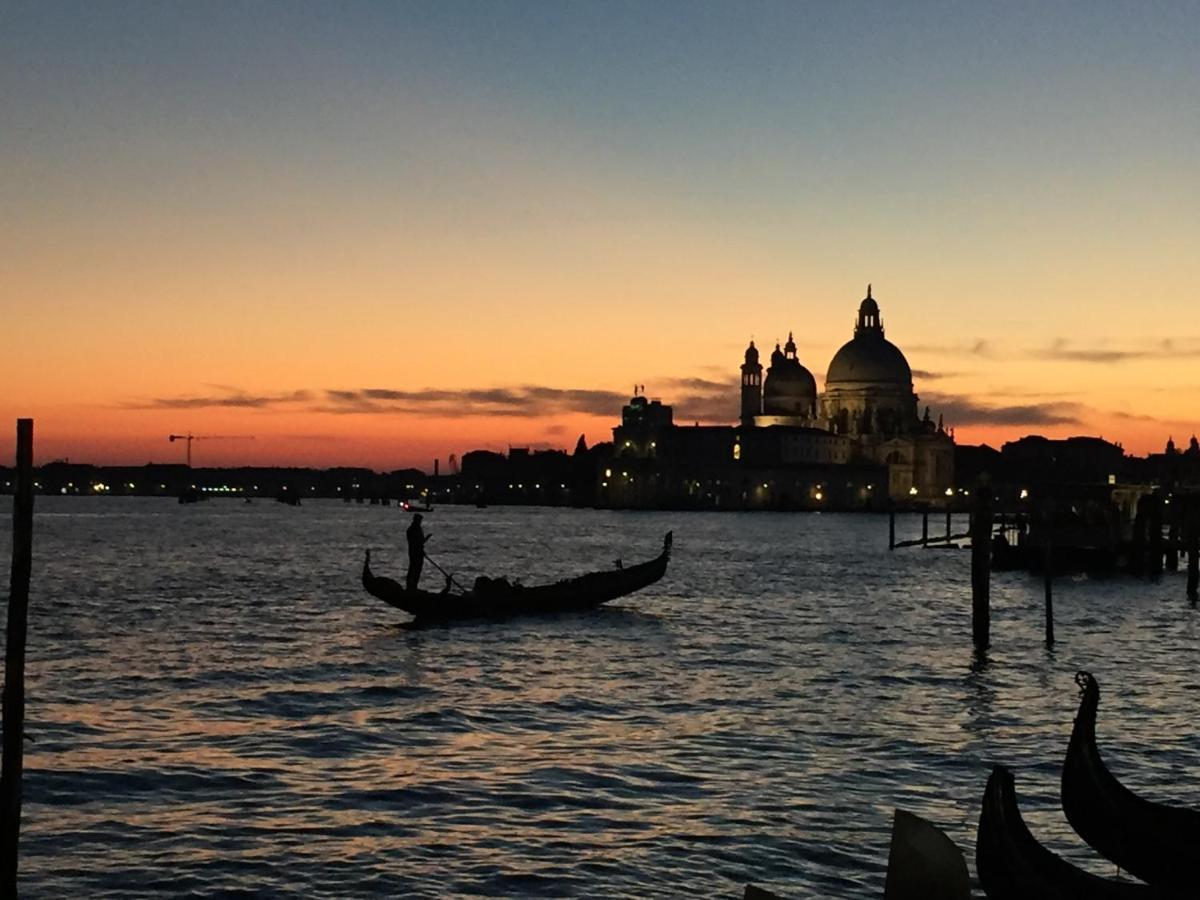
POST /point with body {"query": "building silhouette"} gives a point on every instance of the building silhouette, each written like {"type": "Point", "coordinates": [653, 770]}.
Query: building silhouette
{"type": "Point", "coordinates": [860, 444]}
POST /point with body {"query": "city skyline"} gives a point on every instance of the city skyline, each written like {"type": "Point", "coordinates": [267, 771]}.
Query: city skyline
{"type": "Point", "coordinates": [380, 235]}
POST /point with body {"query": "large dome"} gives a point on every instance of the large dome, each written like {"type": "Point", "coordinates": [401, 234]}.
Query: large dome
{"type": "Point", "coordinates": [869, 357]}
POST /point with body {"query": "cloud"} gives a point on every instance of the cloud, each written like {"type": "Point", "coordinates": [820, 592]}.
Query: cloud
{"type": "Point", "coordinates": [702, 384]}
{"type": "Point", "coordinates": [233, 398]}
{"type": "Point", "coordinates": [1167, 348]}
{"type": "Point", "coordinates": [526, 401]}
{"type": "Point", "coordinates": [706, 408]}
{"type": "Point", "coordinates": [967, 411]}
{"type": "Point", "coordinates": [700, 399]}
{"type": "Point", "coordinates": [1182, 425]}
{"type": "Point", "coordinates": [980, 347]}
{"type": "Point", "coordinates": [933, 376]}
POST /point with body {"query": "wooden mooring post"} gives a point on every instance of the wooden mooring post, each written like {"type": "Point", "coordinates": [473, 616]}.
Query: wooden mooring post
{"type": "Point", "coordinates": [981, 565]}
{"type": "Point", "coordinates": [1048, 572]}
{"type": "Point", "coordinates": [14, 662]}
{"type": "Point", "coordinates": [1137, 545]}
{"type": "Point", "coordinates": [1154, 522]}
{"type": "Point", "coordinates": [1173, 535]}
{"type": "Point", "coordinates": [891, 529]}
{"type": "Point", "coordinates": [1192, 530]}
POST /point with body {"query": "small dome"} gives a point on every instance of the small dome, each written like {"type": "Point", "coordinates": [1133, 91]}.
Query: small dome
{"type": "Point", "coordinates": [777, 357]}
{"type": "Point", "coordinates": [789, 389]}
{"type": "Point", "coordinates": [752, 354]}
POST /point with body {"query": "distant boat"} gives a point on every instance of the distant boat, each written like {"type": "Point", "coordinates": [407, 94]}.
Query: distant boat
{"type": "Point", "coordinates": [416, 506]}
{"type": "Point", "coordinates": [498, 599]}
{"type": "Point", "coordinates": [1012, 865]}
{"type": "Point", "coordinates": [289, 499]}
{"type": "Point", "coordinates": [1155, 842]}
{"type": "Point", "coordinates": [191, 495]}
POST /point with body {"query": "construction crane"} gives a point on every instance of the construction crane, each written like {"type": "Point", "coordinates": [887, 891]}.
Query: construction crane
{"type": "Point", "coordinates": [189, 437]}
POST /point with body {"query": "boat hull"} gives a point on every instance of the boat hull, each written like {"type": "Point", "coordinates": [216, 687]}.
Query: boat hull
{"type": "Point", "coordinates": [1012, 865]}
{"type": "Point", "coordinates": [503, 601]}
{"type": "Point", "coordinates": [1155, 842]}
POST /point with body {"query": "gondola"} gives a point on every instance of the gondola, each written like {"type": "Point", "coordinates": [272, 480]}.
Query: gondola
{"type": "Point", "coordinates": [1012, 865]}
{"type": "Point", "coordinates": [497, 599]}
{"type": "Point", "coordinates": [923, 863]}
{"type": "Point", "coordinates": [1159, 844]}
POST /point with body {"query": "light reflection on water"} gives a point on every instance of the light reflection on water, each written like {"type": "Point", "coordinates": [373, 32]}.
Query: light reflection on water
{"type": "Point", "coordinates": [216, 706]}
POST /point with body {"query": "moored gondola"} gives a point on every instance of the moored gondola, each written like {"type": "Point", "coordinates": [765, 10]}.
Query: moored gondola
{"type": "Point", "coordinates": [1157, 843]}
{"type": "Point", "coordinates": [1012, 865]}
{"type": "Point", "coordinates": [497, 598]}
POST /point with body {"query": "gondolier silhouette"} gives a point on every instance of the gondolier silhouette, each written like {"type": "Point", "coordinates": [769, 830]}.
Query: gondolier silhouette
{"type": "Point", "coordinates": [416, 552]}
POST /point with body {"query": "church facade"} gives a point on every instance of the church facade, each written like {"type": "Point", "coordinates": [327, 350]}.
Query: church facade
{"type": "Point", "coordinates": [862, 443]}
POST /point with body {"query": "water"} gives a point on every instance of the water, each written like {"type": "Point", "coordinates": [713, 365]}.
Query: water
{"type": "Point", "coordinates": [216, 707]}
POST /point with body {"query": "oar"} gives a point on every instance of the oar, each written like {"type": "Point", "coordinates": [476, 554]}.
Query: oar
{"type": "Point", "coordinates": [449, 577]}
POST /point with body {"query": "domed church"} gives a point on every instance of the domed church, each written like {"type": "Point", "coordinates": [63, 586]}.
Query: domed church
{"type": "Point", "coordinates": [858, 445]}
{"type": "Point", "coordinates": [868, 399]}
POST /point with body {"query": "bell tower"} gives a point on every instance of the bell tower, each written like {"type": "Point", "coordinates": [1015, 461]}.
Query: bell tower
{"type": "Point", "coordinates": [869, 321]}
{"type": "Point", "coordinates": [751, 386]}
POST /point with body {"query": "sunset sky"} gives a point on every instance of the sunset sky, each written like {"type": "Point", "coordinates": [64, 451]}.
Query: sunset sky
{"type": "Point", "coordinates": [379, 233]}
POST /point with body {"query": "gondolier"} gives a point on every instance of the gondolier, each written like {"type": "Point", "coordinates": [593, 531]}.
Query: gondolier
{"type": "Point", "coordinates": [416, 552]}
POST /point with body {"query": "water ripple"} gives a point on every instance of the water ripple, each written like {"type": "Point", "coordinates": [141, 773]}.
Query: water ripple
{"type": "Point", "coordinates": [216, 709]}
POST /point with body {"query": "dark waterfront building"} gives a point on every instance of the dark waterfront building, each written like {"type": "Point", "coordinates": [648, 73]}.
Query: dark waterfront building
{"type": "Point", "coordinates": [861, 444]}
{"type": "Point", "coordinates": [528, 477]}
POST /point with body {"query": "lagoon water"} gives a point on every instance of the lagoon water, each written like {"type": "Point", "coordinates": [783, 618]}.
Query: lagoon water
{"type": "Point", "coordinates": [215, 707]}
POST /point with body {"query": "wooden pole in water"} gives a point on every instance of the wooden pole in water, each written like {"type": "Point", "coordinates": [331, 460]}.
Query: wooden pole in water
{"type": "Point", "coordinates": [948, 524]}
{"type": "Point", "coordinates": [891, 529]}
{"type": "Point", "coordinates": [1137, 547]}
{"type": "Point", "coordinates": [1173, 533]}
{"type": "Point", "coordinates": [925, 526]}
{"type": "Point", "coordinates": [14, 662]}
{"type": "Point", "coordinates": [1048, 572]}
{"type": "Point", "coordinates": [981, 565]}
{"type": "Point", "coordinates": [1154, 522]}
{"type": "Point", "coordinates": [1193, 549]}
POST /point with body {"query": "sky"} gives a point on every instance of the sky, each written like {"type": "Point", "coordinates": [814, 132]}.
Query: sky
{"type": "Point", "coordinates": [381, 233]}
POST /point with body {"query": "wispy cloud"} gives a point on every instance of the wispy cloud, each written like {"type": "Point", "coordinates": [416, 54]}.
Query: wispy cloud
{"type": "Point", "coordinates": [1103, 354]}
{"type": "Point", "coordinates": [927, 375]}
{"type": "Point", "coordinates": [978, 348]}
{"type": "Point", "coordinates": [701, 384]}
{"type": "Point", "coordinates": [526, 401]}
{"type": "Point", "coordinates": [968, 411]}
{"type": "Point", "coordinates": [699, 399]}
{"type": "Point", "coordinates": [232, 398]}
{"type": "Point", "coordinates": [1165, 423]}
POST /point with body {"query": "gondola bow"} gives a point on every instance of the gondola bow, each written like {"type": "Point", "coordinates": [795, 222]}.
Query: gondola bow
{"type": "Point", "coordinates": [1159, 844]}
{"type": "Point", "coordinates": [1012, 864]}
